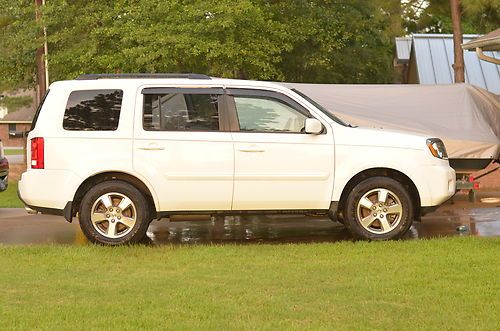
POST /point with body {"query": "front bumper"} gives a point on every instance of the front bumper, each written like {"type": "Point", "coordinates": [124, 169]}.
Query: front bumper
{"type": "Point", "coordinates": [441, 185]}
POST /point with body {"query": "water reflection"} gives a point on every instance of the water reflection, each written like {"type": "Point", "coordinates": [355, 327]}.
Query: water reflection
{"type": "Point", "coordinates": [307, 229]}
{"type": "Point", "coordinates": [16, 227]}
{"type": "Point", "coordinates": [248, 229]}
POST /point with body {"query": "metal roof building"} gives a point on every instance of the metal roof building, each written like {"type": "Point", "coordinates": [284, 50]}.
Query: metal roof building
{"type": "Point", "coordinates": [431, 58]}
{"type": "Point", "coordinates": [403, 49]}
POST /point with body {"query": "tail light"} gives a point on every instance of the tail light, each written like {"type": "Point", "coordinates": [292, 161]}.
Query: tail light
{"type": "Point", "coordinates": [37, 153]}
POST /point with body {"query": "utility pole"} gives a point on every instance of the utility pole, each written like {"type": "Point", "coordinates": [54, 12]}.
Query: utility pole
{"type": "Point", "coordinates": [458, 66]}
{"type": "Point", "coordinates": [41, 58]}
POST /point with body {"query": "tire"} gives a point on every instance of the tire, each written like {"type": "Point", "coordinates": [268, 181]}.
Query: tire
{"type": "Point", "coordinates": [378, 208]}
{"type": "Point", "coordinates": [102, 219]}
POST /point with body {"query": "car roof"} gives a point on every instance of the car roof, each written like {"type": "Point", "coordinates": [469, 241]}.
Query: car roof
{"type": "Point", "coordinates": [100, 81]}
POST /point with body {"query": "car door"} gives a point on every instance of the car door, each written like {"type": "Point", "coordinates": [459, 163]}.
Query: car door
{"type": "Point", "coordinates": [277, 165]}
{"type": "Point", "coordinates": [182, 148]}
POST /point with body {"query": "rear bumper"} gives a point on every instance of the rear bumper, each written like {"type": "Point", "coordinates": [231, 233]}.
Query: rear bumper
{"type": "Point", "coordinates": [49, 191]}
{"type": "Point", "coordinates": [67, 212]}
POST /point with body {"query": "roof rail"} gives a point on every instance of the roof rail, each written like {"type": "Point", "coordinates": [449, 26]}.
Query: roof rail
{"type": "Point", "coordinates": [141, 75]}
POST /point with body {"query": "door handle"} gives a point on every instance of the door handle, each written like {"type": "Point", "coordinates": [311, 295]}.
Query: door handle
{"type": "Point", "coordinates": [152, 147]}
{"type": "Point", "coordinates": [252, 149]}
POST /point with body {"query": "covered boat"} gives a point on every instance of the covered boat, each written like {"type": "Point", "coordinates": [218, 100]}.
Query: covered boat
{"type": "Point", "coordinates": [465, 117]}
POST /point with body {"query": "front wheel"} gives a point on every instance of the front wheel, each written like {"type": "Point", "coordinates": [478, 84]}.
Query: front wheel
{"type": "Point", "coordinates": [379, 208]}
{"type": "Point", "coordinates": [114, 213]}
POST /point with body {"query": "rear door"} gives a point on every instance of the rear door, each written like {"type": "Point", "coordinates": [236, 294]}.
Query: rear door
{"type": "Point", "coordinates": [182, 147]}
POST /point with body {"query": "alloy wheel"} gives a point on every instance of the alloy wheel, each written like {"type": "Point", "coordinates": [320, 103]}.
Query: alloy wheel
{"type": "Point", "coordinates": [113, 215]}
{"type": "Point", "coordinates": [379, 211]}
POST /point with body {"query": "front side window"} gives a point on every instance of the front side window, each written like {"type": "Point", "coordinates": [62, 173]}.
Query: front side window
{"type": "Point", "coordinates": [181, 112]}
{"type": "Point", "coordinates": [264, 114]}
{"type": "Point", "coordinates": [93, 110]}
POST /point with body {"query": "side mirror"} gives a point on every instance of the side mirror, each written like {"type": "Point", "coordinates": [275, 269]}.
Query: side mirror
{"type": "Point", "coordinates": [313, 126]}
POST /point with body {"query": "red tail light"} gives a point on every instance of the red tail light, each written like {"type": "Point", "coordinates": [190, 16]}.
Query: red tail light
{"type": "Point", "coordinates": [37, 153]}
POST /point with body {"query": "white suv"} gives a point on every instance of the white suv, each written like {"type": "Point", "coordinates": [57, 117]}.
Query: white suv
{"type": "Point", "coordinates": [122, 150]}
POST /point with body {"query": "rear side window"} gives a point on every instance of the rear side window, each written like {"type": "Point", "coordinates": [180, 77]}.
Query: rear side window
{"type": "Point", "coordinates": [93, 110]}
{"type": "Point", "coordinates": [181, 112]}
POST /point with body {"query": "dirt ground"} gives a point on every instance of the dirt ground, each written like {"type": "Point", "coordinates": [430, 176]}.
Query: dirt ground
{"type": "Point", "coordinates": [15, 171]}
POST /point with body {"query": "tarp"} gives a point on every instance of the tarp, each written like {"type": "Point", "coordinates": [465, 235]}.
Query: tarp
{"type": "Point", "coordinates": [465, 117]}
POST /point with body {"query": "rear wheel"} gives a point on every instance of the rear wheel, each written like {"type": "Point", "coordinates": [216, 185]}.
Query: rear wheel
{"type": "Point", "coordinates": [379, 208]}
{"type": "Point", "coordinates": [114, 213]}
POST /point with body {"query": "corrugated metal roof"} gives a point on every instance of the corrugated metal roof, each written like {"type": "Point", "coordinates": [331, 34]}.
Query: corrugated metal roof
{"type": "Point", "coordinates": [403, 48]}
{"type": "Point", "coordinates": [434, 58]}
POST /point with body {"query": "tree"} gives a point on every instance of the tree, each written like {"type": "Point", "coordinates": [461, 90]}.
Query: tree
{"type": "Point", "coordinates": [337, 41]}
{"type": "Point", "coordinates": [434, 16]}
{"type": "Point", "coordinates": [19, 39]}
{"type": "Point", "coordinates": [343, 41]}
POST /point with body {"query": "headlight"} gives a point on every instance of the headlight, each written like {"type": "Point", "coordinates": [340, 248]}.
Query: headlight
{"type": "Point", "coordinates": [436, 146]}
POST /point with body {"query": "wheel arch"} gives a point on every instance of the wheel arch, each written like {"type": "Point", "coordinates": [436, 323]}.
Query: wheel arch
{"type": "Point", "coordinates": [110, 176]}
{"type": "Point", "coordinates": [382, 172]}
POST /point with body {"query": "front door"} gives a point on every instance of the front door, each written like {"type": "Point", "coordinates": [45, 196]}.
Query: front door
{"type": "Point", "coordinates": [277, 165]}
{"type": "Point", "coordinates": [180, 147]}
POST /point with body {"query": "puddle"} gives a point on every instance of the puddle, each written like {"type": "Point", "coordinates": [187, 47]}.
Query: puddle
{"type": "Point", "coordinates": [16, 227]}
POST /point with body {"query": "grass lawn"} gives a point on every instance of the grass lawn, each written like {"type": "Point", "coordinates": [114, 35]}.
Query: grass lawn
{"type": "Point", "coordinates": [9, 199]}
{"type": "Point", "coordinates": [13, 151]}
{"type": "Point", "coordinates": [424, 284]}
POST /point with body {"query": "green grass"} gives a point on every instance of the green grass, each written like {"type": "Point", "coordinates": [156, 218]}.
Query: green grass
{"type": "Point", "coordinates": [425, 284]}
{"type": "Point", "coordinates": [19, 151]}
{"type": "Point", "coordinates": [9, 198]}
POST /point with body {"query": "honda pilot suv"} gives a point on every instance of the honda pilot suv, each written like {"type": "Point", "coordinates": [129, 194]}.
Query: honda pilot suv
{"type": "Point", "coordinates": [119, 151]}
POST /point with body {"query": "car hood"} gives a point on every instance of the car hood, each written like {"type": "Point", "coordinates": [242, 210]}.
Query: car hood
{"type": "Point", "coordinates": [379, 137]}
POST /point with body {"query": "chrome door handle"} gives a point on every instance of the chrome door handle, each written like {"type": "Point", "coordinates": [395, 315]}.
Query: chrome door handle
{"type": "Point", "coordinates": [252, 149]}
{"type": "Point", "coordinates": [152, 147]}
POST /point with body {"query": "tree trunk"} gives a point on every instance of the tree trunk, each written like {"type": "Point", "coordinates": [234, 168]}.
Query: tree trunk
{"type": "Point", "coordinates": [40, 61]}
{"type": "Point", "coordinates": [458, 66]}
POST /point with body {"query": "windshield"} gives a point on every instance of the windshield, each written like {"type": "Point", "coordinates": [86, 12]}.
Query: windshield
{"type": "Point", "coordinates": [323, 109]}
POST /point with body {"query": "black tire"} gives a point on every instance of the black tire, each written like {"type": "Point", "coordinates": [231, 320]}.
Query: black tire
{"type": "Point", "coordinates": [139, 212]}
{"type": "Point", "coordinates": [395, 225]}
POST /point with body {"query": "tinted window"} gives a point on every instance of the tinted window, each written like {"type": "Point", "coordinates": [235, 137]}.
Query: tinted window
{"type": "Point", "coordinates": [262, 114]}
{"type": "Point", "coordinates": [181, 112]}
{"type": "Point", "coordinates": [93, 110]}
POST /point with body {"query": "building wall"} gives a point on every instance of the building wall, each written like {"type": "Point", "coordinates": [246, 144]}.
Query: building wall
{"type": "Point", "coordinates": [9, 141]}
{"type": "Point", "coordinates": [491, 181]}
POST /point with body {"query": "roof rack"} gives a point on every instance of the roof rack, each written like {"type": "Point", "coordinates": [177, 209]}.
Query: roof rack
{"type": "Point", "coordinates": [140, 75]}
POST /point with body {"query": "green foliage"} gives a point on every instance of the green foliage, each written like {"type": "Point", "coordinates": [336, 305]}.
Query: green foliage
{"type": "Point", "coordinates": [16, 103]}
{"type": "Point", "coordinates": [434, 16]}
{"type": "Point", "coordinates": [18, 41]}
{"type": "Point", "coordinates": [341, 41]}
{"type": "Point", "coordinates": [316, 41]}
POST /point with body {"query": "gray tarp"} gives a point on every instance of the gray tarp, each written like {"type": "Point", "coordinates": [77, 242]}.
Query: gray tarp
{"type": "Point", "coordinates": [465, 117]}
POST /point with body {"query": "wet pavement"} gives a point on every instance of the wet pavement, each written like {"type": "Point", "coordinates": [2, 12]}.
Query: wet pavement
{"type": "Point", "coordinates": [461, 219]}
